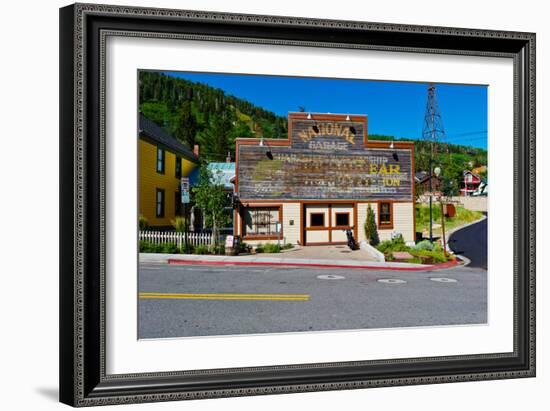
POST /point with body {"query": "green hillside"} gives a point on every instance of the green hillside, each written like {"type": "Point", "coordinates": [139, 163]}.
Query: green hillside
{"type": "Point", "coordinates": [196, 113]}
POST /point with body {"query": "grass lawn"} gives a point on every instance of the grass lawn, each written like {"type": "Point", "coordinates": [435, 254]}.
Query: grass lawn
{"type": "Point", "coordinates": [462, 217]}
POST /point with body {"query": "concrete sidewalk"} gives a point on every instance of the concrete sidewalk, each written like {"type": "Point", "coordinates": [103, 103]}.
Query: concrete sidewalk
{"type": "Point", "coordinates": [258, 259]}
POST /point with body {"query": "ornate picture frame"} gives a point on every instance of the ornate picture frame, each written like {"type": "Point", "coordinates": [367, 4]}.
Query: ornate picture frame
{"type": "Point", "coordinates": [84, 29]}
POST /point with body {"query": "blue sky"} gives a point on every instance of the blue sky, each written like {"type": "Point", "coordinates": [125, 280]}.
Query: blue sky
{"type": "Point", "coordinates": [393, 108]}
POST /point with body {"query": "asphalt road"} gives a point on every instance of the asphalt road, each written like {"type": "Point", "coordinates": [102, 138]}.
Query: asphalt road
{"type": "Point", "coordinates": [200, 300]}
{"type": "Point", "coordinates": [471, 242]}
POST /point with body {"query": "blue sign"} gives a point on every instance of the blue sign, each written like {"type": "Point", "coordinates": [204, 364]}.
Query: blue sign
{"type": "Point", "coordinates": [185, 190]}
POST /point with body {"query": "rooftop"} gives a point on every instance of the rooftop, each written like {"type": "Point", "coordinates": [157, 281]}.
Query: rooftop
{"type": "Point", "coordinates": [150, 129]}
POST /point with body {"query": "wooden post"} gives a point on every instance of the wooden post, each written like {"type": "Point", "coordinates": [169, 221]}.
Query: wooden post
{"type": "Point", "coordinates": [186, 226]}
{"type": "Point", "coordinates": [443, 229]}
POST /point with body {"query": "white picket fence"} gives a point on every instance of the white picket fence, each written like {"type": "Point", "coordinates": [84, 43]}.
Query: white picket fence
{"type": "Point", "coordinates": [160, 237]}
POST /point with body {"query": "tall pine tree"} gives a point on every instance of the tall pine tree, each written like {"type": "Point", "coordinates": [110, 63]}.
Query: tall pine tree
{"type": "Point", "coordinates": [187, 127]}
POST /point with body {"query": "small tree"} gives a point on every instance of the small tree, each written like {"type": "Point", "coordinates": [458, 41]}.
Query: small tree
{"type": "Point", "coordinates": [211, 198]}
{"type": "Point", "coordinates": [143, 223]}
{"type": "Point", "coordinates": [370, 228]}
{"type": "Point", "coordinates": [180, 224]}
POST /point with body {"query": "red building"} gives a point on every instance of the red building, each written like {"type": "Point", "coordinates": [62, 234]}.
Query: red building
{"type": "Point", "coordinates": [470, 183]}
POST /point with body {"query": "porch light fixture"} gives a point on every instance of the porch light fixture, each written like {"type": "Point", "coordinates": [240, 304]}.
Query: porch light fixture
{"type": "Point", "coordinates": [268, 153]}
{"type": "Point", "coordinates": [394, 154]}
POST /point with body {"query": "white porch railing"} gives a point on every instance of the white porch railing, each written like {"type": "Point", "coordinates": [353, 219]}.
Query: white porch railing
{"type": "Point", "coordinates": [161, 238]}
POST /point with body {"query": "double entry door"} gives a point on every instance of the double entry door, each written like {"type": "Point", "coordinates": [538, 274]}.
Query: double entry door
{"type": "Point", "coordinates": [326, 223]}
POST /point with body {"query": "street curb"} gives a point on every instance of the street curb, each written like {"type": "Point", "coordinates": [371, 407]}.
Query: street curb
{"type": "Point", "coordinates": [449, 264]}
{"type": "Point", "coordinates": [466, 260]}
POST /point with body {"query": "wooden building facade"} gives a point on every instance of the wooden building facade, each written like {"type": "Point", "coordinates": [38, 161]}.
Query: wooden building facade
{"type": "Point", "coordinates": [309, 188]}
{"type": "Point", "coordinates": [163, 160]}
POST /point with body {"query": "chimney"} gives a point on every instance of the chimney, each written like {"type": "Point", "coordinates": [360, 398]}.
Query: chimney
{"type": "Point", "coordinates": [196, 150]}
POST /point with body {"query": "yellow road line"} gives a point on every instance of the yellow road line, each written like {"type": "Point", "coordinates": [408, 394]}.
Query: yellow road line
{"type": "Point", "coordinates": [222, 296]}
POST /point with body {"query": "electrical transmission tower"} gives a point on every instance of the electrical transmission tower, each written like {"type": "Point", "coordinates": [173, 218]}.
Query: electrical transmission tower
{"type": "Point", "coordinates": [433, 132]}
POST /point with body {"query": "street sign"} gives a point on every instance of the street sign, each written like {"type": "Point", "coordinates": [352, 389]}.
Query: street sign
{"type": "Point", "coordinates": [278, 227]}
{"type": "Point", "coordinates": [185, 190]}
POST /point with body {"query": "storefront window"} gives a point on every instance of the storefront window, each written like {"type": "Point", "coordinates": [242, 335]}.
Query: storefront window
{"type": "Point", "coordinates": [260, 221]}
{"type": "Point", "coordinates": [342, 219]}
{"type": "Point", "coordinates": [385, 216]}
{"type": "Point", "coordinates": [317, 220]}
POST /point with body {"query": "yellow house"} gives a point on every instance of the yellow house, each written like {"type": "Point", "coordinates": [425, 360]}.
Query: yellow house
{"type": "Point", "coordinates": [163, 160]}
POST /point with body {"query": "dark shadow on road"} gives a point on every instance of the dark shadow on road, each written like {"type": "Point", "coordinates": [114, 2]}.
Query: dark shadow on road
{"type": "Point", "coordinates": [471, 242]}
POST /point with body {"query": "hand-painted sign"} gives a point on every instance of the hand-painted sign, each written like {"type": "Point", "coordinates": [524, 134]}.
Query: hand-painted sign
{"type": "Point", "coordinates": [328, 135]}
{"type": "Point", "coordinates": [303, 174]}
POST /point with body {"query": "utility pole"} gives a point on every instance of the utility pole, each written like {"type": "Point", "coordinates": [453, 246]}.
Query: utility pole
{"type": "Point", "coordinates": [433, 132]}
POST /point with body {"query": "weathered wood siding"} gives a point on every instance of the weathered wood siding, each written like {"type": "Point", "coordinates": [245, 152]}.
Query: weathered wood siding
{"type": "Point", "coordinates": [303, 174]}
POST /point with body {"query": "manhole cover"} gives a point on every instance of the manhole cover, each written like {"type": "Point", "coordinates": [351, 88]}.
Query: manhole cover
{"type": "Point", "coordinates": [330, 277]}
{"type": "Point", "coordinates": [443, 280]}
{"type": "Point", "coordinates": [391, 281]}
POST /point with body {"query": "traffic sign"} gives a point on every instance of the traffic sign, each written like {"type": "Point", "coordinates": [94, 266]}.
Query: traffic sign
{"type": "Point", "coordinates": [185, 190]}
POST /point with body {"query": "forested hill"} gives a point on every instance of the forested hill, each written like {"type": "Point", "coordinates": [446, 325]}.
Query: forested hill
{"type": "Point", "coordinates": [196, 113]}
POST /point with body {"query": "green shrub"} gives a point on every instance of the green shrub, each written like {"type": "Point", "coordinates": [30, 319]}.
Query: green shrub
{"type": "Point", "coordinates": [436, 256]}
{"type": "Point", "coordinates": [170, 248]}
{"type": "Point", "coordinates": [149, 247]}
{"type": "Point", "coordinates": [430, 251]}
{"type": "Point", "coordinates": [144, 246]}
{"type": "Point", "coordinates": [202, 249]}
{"type": "Point", "coordinates": [268, 248]}
{"type": "Point", "coordinates": [287, 246]}
{"type": "Point", "coordinates": [187, 249]}
{"type": "Point", "coordinates": [272, 248]}
{"type": "Point", "coordinates": [143, 223]}
{"type": "Point", "coordinates": [424, 245]}
{"type": "Point", "coordinates": [370, 228]}
{"type": "Point", "coordinates": [179, 224]}
{"type": "Point", "coordinates": [389, 246]}
{"type": "Point", "coordinates": [219, 249]}
{"type": "Point", "coordinates": [244, 248]}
